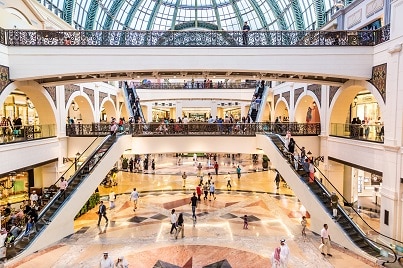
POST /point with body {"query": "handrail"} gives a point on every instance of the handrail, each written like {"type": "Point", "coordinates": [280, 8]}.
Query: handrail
{"type": "Point", "coordinates": [20, 236]}
{"type": "Point", "coordinates": [131, 38]}
{"type": "Point", "coordinates": [324, 189]}
{"type": "Point", "coordinates": [188, 86]}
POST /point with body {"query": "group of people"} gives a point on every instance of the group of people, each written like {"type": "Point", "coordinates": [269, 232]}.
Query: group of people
{"type": "Point", "coordinates": [362, 128]}
{"type": "Point", "coordinates": [107, 262]}
{"type": "Point", "coordinates": [10, 127]}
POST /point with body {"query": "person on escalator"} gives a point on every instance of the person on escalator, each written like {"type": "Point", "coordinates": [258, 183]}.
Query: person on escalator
{"type": "Point", "coordinates": [334, 200]}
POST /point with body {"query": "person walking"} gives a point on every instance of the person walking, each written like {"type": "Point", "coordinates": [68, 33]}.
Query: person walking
{"type": "Point", "coordinates": [199, 191]}
{"type": "Point", "coordinates": [228, 179]}
{"type": "Point", "coordinates": [153, 165]}
{"type": "Point", "coordinates": [63, 187]}
{"type": "Point", "coordinates": [206, 187]}
{"type": "Point", "coordinates": [277, 179]}
{"type": "Point", "coordinates": [173, 221]}
{"type": "Point", "coordinates": [284, 254]}
{"type": "Point", "coordinates": [193, 202]}
{"type": "Point", "coordinates": [216, 167]}
{"type": "Point", "coordinates": [180, 224]}
{"type": "Point", "coordinates": [121, 263]}
{"type": "Point", "coordinates": [325, 239]}
{"type": "Point", "coordinates": [135, 197]}
{"type": "Point", "coordinates": [102, 212]}
{"type": "Point", "coordinates": [106, 261]}
{"type": "Point", "coordinates": [238, 172]}
{"type": "Point", "coordinates": [112, 197]}
{"type": "Point", "coordinates": [303, 224]}
{"type": "Point", "coordinates": [212, 190]}
{"type": "Point", "coordinates": [245, 221]}
{"type": "Point", "coordinates": [184, 176]}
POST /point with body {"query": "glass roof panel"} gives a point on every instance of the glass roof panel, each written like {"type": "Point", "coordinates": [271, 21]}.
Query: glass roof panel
{"type": "Point", "coordinates": [231, 13]}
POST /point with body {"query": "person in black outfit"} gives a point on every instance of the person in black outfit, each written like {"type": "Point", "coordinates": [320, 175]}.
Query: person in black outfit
{"type": "Point", "coordinates": [193, 202]}
{"type": "Point", "coordinates": [102, 212]}
{"type": "Point", "coordinates": [245, 30]}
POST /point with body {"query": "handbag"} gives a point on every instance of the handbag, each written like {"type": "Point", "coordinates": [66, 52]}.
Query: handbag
{"type": "Point", "coordinates": [321, 246]}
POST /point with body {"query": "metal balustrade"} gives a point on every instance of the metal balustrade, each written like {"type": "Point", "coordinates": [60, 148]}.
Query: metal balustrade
{"type": "Point", "coordinates": [26, 133]}
{"type": "Point", "coordinates": [195, 129]}
{"type": "Point", "coordinates": [373, 132]}
{"type": "Point", "coordinates": [128, 38]}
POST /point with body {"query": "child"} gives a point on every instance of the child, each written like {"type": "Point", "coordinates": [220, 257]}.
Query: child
{"type": "Point", "coordinates": [303, 224]}
{"type": "Point", "coordinates": [245, 222]}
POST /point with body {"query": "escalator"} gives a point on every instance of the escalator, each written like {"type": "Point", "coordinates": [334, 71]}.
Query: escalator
{"type": "Point", "coordinates": [133, 103]}
{"type": "Point", "coordinates": [56, 219]}
{"type": "Point", "coordinates": [258, 94]}
{"type": "Point", "coordinates": [315, 197]}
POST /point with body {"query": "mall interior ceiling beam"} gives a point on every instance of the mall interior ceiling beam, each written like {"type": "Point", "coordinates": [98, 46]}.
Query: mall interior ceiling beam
{"type": "Point", "coordinates": [153, 15]}
{"type": "Point", "coordinates": [130, 14]}
{"type": "Point", "coordinates": [68, 7]}
{"type": "Point", "coordinates": [282, 25]}
{"type": "Point", "coordinates": [259, 13]}
{"type": "Point", "coordinates": [111, 15]}
{"type": "Point", "coordinates": [298, 17]}
{"type": "Point", "coordinates": [237, 13]}
{"type": "Point", "coordinates": [217, 14]}
{"type": "Point", "coordinates": [173, 22]}
{"type": "Point", "coordinates": [320, 13]}
{"type": "Point", "coordinates": [92, 12]}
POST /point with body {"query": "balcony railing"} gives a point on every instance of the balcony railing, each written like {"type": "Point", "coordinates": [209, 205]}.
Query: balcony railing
{"type": "Point", "coordinates": [195, 129]}
{"type": "Point", "coordinates": [116, 38]}
{"type": "Point", "coordinates": [373, 133]}
{"type": "Point", "coordinates": [26, 133]}
{"type": "Point", "coordinates": [194, 85]}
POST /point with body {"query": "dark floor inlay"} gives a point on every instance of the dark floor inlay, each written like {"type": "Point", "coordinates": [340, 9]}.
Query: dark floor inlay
{"type": "Point", "coordinates": [159, 216]}
{"type": "Point", "coordinates": [219, 264]}
{"type": "Point", "coordinates": [162, 264]}
{"type": "Point", "coordinates": [82, 230]}
{"type": "Point", "coordinates": [228, 216]}
{"type": "Point", "coordinates": [137, 219]}
{"type": "Point", "coordinates": [252, 218]}
{"type": "Point", "coordinates": [202, 214]}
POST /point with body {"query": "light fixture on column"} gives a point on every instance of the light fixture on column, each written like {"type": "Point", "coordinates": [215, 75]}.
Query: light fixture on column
{"type": "Point", "coordinates": [355, 101]}
{"type": "Point", "coordinates": [73, 106]}
{"type": "Point", "coordinates": [30, 104]}
{"type": "Point", "coordinates": [9, 183]}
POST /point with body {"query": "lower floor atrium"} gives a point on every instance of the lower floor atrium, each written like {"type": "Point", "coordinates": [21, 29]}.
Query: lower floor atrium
{"type": "Point", "coordinates": [143, 236]}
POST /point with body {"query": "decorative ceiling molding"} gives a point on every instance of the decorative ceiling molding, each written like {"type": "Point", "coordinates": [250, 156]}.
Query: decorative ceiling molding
{"type": "Point", "coordinates": [4, 77]}
{"type": "Point", "coordinates": [316, 89]}
{"type": "Point", "coordinates": [90, 93]}
{"type": "Point", "coordinates": [52, 93]}
{"type": "Point", "coordinates": [378, 79]}
{"type": "Point", "coordinates": [68, 91]}
{"type": "Point", "coordinates": [297, 93]}
{"type": "Point", "coordinates": [332, 93]}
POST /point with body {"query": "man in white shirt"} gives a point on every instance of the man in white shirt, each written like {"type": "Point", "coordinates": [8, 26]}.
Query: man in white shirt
{"type": "Point", "coordinates": [135, 197]}
{"type": "Point", "coordinates": [63, 186]}
{"type": "Point", "coordinates": [173, 221]}
{"type": "Point", "coordinates": [325, 237]}
{"type": "Point", "coordinates": [284, 254]}
{"type": "Point", "coordinates": [106, 261]}
{"type": "Point", "coordinates": [33, 198]}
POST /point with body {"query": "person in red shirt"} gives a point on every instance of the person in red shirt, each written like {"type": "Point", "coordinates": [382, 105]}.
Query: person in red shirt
{"type": "Point", "coordinates": [199, 192]}
{"type": "Point", "coordinates": [216, 167]}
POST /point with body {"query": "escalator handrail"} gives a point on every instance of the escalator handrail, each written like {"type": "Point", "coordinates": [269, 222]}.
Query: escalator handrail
{"type": "Point", "coordinates": [140, 109]}
{"type": "Point", "coordinates": [344, 199]}
{"type": "Point", "coordinates": [126, 89]}
{"type": "Point", "coordinates": [74, 163]}
{"type": "Point", "coordinates": [56, 196]}
{"type": "Point", "coordinates": [251, 102]}
{"type": "Point", "coordinates": [263, 100]}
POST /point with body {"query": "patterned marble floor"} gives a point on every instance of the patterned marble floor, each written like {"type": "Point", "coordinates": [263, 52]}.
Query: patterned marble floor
{"type": "Point", "coordinates": [143, 237]}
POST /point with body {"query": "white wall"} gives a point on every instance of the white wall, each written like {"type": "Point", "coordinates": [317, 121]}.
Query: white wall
{"type": "Point", "coordinates": [38, 62]}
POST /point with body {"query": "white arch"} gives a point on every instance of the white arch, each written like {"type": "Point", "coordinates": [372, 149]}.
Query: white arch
{"type": "Point", "coordinates": [314, 97]}
{"type": "Point", "coordinates": [37, 94]}
{"type": "Point", "coordinates": [105, 100]}
{"type": "Point", "coordinates": [80, 93]}
{"type": "Point", "coordinates": [358, 85]}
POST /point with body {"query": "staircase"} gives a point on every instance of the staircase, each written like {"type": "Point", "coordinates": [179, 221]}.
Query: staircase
{"type": "Point", "coordinates": [56, 219]}
{"type": "Point", "coordinates": [316, 198]}
{"type": "Point", "coordinates": [259, 92]}
{"type": "Point", "coordinates": [133, 103]}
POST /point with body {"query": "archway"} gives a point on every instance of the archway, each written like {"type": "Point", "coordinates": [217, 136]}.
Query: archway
{"type": "Point", "coordinates": [306, 110]}
{"type": "Point", "coordinates": [40, 108]}
{"type": "Point", "coordinates": [80, 109]}
{"type": "Point", "coordinates": [124, 112]}
{"type": "Point", "coordinates": [107, 110]}
{"type": "Point", "coordinates": [282, 111]}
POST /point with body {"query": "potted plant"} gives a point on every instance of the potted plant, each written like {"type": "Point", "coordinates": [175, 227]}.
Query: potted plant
{"type": "Point", "coordinates": [265, 162]}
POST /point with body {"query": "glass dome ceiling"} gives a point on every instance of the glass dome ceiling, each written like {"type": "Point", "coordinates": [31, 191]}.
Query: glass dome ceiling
{"type": "Point", "coordinates": [190, 14]}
